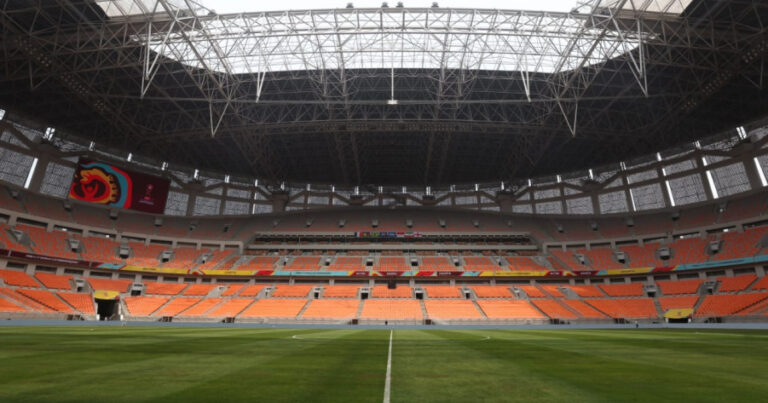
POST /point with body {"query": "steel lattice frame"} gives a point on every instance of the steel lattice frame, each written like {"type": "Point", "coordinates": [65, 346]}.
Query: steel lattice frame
{"type": "Point", "coordinates": [315, 96]}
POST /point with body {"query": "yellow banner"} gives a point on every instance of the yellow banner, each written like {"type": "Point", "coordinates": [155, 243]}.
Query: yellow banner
{"type": "Point", "coordinates": [228, 272]}
{"type": "Point", "coordinates": [105, 294]}
{"type": "Point", "coordinates": [163, 270]}
{"type": "Point", "coordinates": [635, 270]}
{"type": "Point", "coordinates": [678, 313]}
{"type": "Point", "coordinates": [513, 273]}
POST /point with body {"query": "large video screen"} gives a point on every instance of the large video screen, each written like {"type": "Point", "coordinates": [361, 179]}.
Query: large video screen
{"type": "Point", "coordinates": [98, 182]}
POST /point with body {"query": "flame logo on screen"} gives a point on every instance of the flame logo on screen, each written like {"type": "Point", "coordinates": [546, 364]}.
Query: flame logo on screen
{"type": "Point", "coordinates": [103, 184]}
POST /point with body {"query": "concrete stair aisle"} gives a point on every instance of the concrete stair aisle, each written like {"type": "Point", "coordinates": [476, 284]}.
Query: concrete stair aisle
{"type": "Point", "coordinates": [163, 305]}
{"type": "Point", "coordinates": [568, 308]}
{"type": "Point", "coordinates": [304, 308]}
{"type": "Point", "coordinates": [424, 312]}
{"type": "Point", "coordinates": [659, 310]}
{"type": "Point", "coordinates": [474, 302]}
{"type": "Point", "coordinates": [359, 309]}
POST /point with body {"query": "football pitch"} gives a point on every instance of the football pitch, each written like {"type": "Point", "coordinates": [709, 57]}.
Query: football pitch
{"type": "Point", "coordinates": [169, 364]}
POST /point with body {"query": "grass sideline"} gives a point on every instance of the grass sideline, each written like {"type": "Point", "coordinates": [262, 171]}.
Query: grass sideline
{"type": "Point", "coordinates": [118, 364]}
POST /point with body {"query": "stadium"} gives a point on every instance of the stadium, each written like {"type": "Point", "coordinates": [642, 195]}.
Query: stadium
{"type": "Point", "coordinates": [451, 201]}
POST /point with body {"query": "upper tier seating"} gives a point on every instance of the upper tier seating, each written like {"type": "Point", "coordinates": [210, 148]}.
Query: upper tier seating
{"type": "Point", "coordinates": [679, 287]}
{"type": "Point", "coordinates": [259, 263]}
{"type": "Point", "coordinates": [340, 291]}
{"type": "Point", "coordinates": [292, 291]}
{"type": "Point", "coordinates": [696, 218]}
{"type": "Point", "coordinates": [761, 284]}
{"type": "Point", "coordinates": [145, 255]}
{"type": "Point", "coordinates": [728, 304]}
{"type": "Point", "coordinates": [184, 258]}
{"type": "Point", "coordinates": [568, 258]}
{"type": "Point", "coordinates": [742, 209]}
{"type": "Point", "coordinates": [98, 249]}
{"type": "Point", "coordinates": [48, 243]}
{"type": "Point", "coordinates": [274, 308]}
{"type": "Point", "coordinates": [601, 258]}
{"type": "Point", "coordinates": [524, 263]}
{"type": "Point", "coordinates": [110, 285]}
{"type": "Point", "coordinates": [18, 278]}
{"type": "Point", "coordinates": [54, 281]}
{"type": "Point", "coordinates": [7, 241]}
{"type": "Point", "coordinates": [144, 306]}
{"type": "Point", "coordinates": [623, 290]}
{"type": "Point", "coordinates": [382, 291]}
{"type": "Point", "coordinates": [232, 289]}
{"type": "Point", "coordinates": [741, 244]}
{"type": "Point", "coordinates": [392, 263]}
{"type": "Point", "coordinates": [451, 309]}
{"type": "Point", "coordinates": [631, 308]}
{"type": "Point", "coordinates": [734, 284]}
{"type": "Point", "coordinates": [509, 309]}
{"type": "Point", "coordinates": [554, 309]}
{"type": "Point", "coordinates": [436, 263]}
{"type": "Point", "coordinates": [391, 309]}
{"type": "Point", "coordinates": [46, 207]}
{"type": "Point", "coordinates": [492, 291]}
{"type": "Point", "coordinates": [347, 263]}
{"type": "Point", "coordinates": [155, 288]}
{"type": "Point", "coordinates": [331, 309]}
{"type": "Point", "coordinates": [688, 250]}
{"type": "Point", "coordinates": [304, 263]}
{"type": "Point", "coordinates": [442, 291]}
{"type": "Point", "coordinates": [479, 263]}
{"type": "Point", "coordinates": [642, 256]}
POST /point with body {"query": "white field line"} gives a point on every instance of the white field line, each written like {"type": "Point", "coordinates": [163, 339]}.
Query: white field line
{"type": "Point", "coordinates": [388, 381]}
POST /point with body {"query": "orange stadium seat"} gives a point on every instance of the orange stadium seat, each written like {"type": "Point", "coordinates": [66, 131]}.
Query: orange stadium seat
{"type": "Point", "coordinates": [583, 309]}
{"type": "Point", "coordinates": [202, 307]}
{"type": "Point", "coordinates": [304, 263]}
{"type": "Point", "coordinates": [671, 287]}
{"type": "Point", "coordinates": [216, 258]}
{"type": "Point", "coordinates": [737, 283]}
{"type": "Point", "coordinates": [184, 258]}
{"type": "Point", "coordinates": [8, 242]}
{"type": "Point", "coordinates": [259, 263]}
{"type": "Point", "coordinates": [436, 263]}
{"type": "Point", "coordinates": [81, 302]}
{"type": "Point", "coordinates": [642, 256]}
{"type": "Point", "coordinates": [156, 288]}
{"type": "Point", "coordinates": [274, 308]}
{"type": "Point", "coordinates": [507, 309]}
{"type": "Point", "coordinates": [347, 263]}
{"type": "Point", "coordinates": [231, 308]}
{"type": "Point", "coordinates": [689, 250]}
{"type": "Point", "coordinates": [685, 302]}
{"type": "Point", "coordinates": [553, 290]}
{"type": "Point", "coordinates": [97, 249]}
{"type": "Point", "coordinates": [586, 291]}
{"type": "Point", "coordinates": [532, 291]}
{"type": "Point", "coordinates": [199, 289]}
{"type": "Point", "coordinates": [479, 263]}
{"type": "Point", "coordinates": [623, 290]}
{"type": "Point", "coordinates": [524, 263]}
{"type": "Point", "coordinates": [391, 309]}
{"type": "Point", "coordinates": [292, 291]}
{"type": "Point", "coordinates": [145, 255]}
{"type": "Point", "coordinates": [442, 291]}
{"type": "Point", "coordinates": [601, 258]}
{"type": "Point", "coordinates": [49, 243]}
{"type": "Point", "coordinates": [144, 306]}
{"type": "Point", "coordinates": [176, 306]}
{"type": "Point", "coordinates": [24, 301]}
{"type": "Point", "coordinates": [9, 306]}
{"type": "Point", "coordinates": [492, 291]}
{"type": "Point", "coordinates": [48, 299]}
{"type": "Point", "coordinates": [728, 304]}
{"type": "Point", "coordinates": [738, 245]}
{"type": "Point", "coordinates": [761, 285]}
{"type": "Point", "coordinates": [451, 309]}
{"type": "Point", "coordinates": [252, 290]}
{"type": "Point", "coordinates": [392, 263]}
{"type": "Point", "coordinates": [54, 281]}
{"type": "Point", "coordinates": [629, 308]}
{"type": "Point", "coordinates": [18, 278]}
{"type": "Point", "coordinates": [382, 291]}
{"type": "Point", "coordinates": [332, 309]}
{"type": "Point", "coordinates": [341, 291]}
{"type": "Point", "coordinates": [568, 258]}
{"type": "Point", "coordinates": [553, 309]}
{"type": "Point", "coordinates": [232, 289]}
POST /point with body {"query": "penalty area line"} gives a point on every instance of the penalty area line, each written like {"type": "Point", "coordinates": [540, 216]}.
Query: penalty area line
{"type": "Point", "coordinates": [388, 381]}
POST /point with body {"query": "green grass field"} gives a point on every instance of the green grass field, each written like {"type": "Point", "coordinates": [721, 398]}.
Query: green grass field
{"type": "Point", "coordinates": [111, 364]}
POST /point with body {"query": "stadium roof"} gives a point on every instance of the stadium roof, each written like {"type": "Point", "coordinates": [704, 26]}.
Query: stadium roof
{"type": "Point", "coordinates": [386, 95]}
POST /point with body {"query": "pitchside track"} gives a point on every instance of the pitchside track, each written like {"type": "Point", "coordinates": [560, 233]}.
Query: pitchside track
{"type": "Point", "coordinates": [190, 364]}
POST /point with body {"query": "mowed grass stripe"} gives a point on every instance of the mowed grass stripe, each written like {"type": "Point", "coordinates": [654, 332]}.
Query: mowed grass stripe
{"type": "Point", "coordinates": [207, 364]}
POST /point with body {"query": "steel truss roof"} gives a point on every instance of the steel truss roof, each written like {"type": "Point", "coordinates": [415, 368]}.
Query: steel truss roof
{"type": "Point", "coordinates": [386, 96]}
